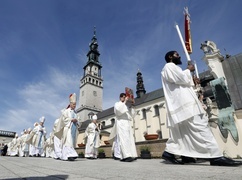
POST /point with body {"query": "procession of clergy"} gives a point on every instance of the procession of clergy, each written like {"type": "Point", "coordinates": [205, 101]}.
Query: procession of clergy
{"type": "Point", "coordinates": [61, 143]}
{"type": "Point", "coordinates": [62, 140]}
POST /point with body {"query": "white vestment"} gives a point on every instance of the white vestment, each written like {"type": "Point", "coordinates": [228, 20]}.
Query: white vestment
{"type": "Point", "coordinates": [49, 147]}
{"type": "Point", "coordinates": [64, 131]}
{"type": "Point", "coordinates": [57, 142]}
{"type": "Point", "coordinates": [31, 140]}
{"type": "Point", "coordinates": [14, 147]}
{"type": "Point", "coordinates": [93, 140]}
{"type": "Point", "coordinates": [24, 147]}
{"type": "Point", "coordinates": [124, 133]}
{"type": "Point", "coordinates": [40, 139]}
{"type": "Point", "coordinates": [190, 134]}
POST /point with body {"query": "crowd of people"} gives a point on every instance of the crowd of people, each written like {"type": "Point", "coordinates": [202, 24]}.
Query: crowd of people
{"type": "Point", "coordinates": [190, 136]}
{"type": "Point", "coordinates": [59, 145]}
{"type": "Point", "coordinates": [30, 143]}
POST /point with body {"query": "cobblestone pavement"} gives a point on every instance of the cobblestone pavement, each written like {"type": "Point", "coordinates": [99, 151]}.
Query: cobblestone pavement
{"type": "Point", "coordinates": [27, 168]}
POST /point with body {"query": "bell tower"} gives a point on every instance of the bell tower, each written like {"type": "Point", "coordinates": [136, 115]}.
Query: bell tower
{"type": "Point", "coordinates": [140, 88]}
{"type": "Point", "coordinates": [91, 84]}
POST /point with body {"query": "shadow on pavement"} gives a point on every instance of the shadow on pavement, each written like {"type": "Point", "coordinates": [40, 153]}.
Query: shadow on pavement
{"type": "Point", "coordinates": [51, 177]}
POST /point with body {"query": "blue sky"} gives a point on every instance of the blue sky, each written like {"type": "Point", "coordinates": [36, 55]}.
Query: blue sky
{"type": "Point", "coordinates": [43, 47]}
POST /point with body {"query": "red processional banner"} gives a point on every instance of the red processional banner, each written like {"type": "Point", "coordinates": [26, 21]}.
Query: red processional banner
{"type": "Point", "coordinates": [188, 38]}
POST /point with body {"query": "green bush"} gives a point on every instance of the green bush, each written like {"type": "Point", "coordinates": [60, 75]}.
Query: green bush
{"type": "Point", "coordinates": [101, 150]}
{"type": "Point", "coordinates": [144, 149]}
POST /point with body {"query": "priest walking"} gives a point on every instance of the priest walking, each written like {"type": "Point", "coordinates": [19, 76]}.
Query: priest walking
{"type": "Point", "coordinates": [93, 139]}
{"type": "Point", "coordinates": [67, 130]}
{"type": "Point", "coordinates": [124, 144]}
{"type": "Point", "coordinates": [190, 135]}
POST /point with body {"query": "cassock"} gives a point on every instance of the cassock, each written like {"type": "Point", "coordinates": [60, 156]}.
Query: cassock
{"type": "Point", "coordinates": [124, 144]}
{"type": "Point", "coordinates": [190, 134]}
{"type": "Point", "coordinates": [93, 140]}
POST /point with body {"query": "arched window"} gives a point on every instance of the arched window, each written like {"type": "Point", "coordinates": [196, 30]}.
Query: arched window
{"type": "Point", "coordinates": [112, 121]}
{"type": "Point", "coordinates": [103, 124]}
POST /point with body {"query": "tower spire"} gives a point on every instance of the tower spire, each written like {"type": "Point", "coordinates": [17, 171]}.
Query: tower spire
{"type": "Point", "coordinates": [94, 31]}
{"type": "Point", "coordinates": [91, 87]}
{"type": "Point", "coordinates": [140, 88]}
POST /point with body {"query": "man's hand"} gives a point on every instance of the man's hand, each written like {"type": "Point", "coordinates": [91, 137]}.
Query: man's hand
{"type": "Point", "coordinates": [196, 80]}
{"type": "Point", "coordinates": [191, 67]}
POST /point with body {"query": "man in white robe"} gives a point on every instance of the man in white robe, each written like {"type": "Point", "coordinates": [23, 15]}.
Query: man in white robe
{"type": "Point", "coordinates": [31, 140]}
{"type": "Point", "coordinates": [190, 135]}
{"type": "Point", "coordinates": [40, 138]}
{"type": "Point", "coordinates": [14, 146]}
{"type": "Point", "coordinates": [21, 143]}
{"type": "Point", "coordinates": [57, 142]}
{"type": "Point", "coordinates": [93, 139]}
{"type": "Point", "coordinates": [25, 145]}
{"type": "Point", "coordinates": [49, 146]}
{"type": "Point", "coordinates": [124, 144]}
{"type": "Point", "coordinates": [67, 130]}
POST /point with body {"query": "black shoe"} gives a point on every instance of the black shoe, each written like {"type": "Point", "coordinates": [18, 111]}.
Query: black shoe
{"type": "Point", "coordinates": [116, 158]}
{"type": "Point", "coordinates": [223, 161]}
{"type": "Point", "coordinates": [71, 159]}
{"type": "Point", "coordinates": [186, 159]}
{"type": "Point", "coordinates": [134, 159]}
{"type": "Point", "coordinates": [128, 159]}
{"type": "Point", "coordinates": [38, 155]}
{"type": "Point", "coordinates": [171, 158]}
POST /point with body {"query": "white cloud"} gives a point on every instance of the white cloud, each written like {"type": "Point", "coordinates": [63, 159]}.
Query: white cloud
{"type": "Point", "coordinates": [43, 98]}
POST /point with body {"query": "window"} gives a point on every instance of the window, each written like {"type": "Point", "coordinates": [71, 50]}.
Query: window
{"type": "Point", "coordinates": [82, 93]}
{"type": "Point", "coordinates": [144, 113]}
{"type": "Point", "coordinates": [103, 124]}
{"type": "Point", "coordinates": [157, 112]}
{"type": "Point", "coordinates": [94, 93]}
{"type": "Point", "coordinates": [159, 133]}
{"type": "Point", "coordinates": [112, 121]}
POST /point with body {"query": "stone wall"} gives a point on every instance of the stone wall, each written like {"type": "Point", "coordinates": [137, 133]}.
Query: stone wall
{"type": "Point", "coordinates": [156, 148]}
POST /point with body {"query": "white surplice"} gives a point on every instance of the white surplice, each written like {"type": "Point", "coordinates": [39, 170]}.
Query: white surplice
{"type": "Point", "coordinates": [190, 134]}
{"type": "Point", "coordinates": [93, 140]}
{"type": "Point", "coordinates": [123, 132]}
{"type": "Point", "coordinates": [64, 132]}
